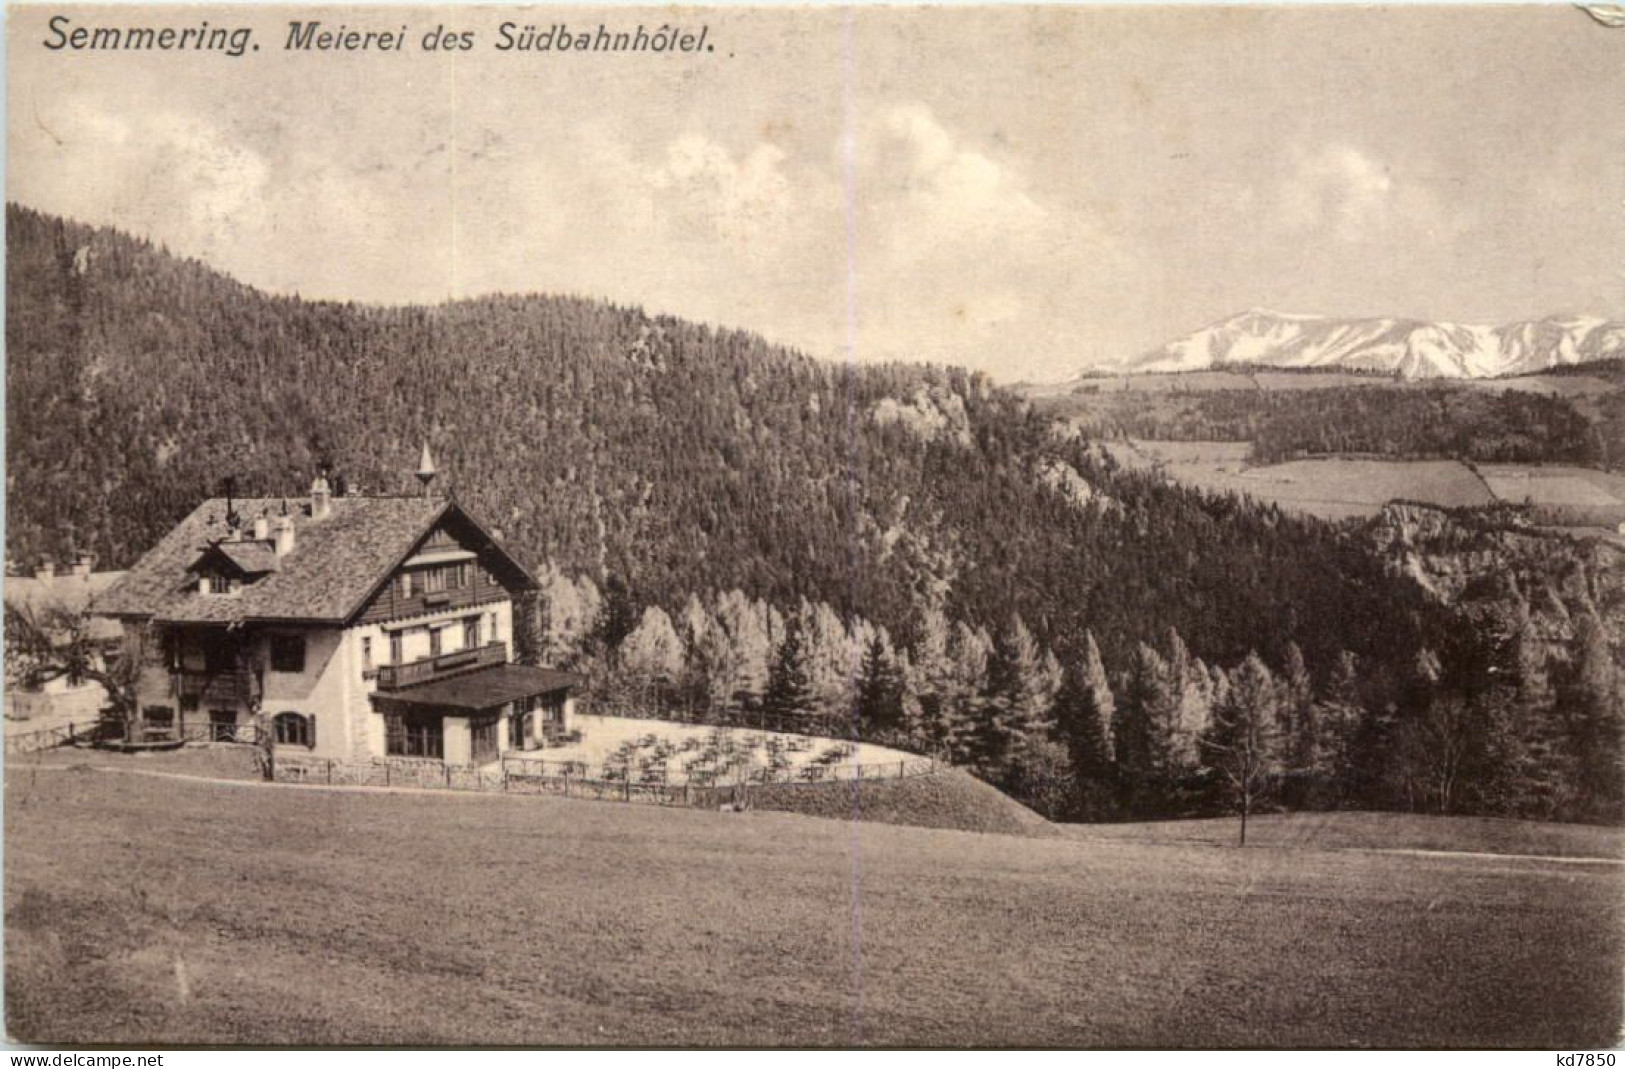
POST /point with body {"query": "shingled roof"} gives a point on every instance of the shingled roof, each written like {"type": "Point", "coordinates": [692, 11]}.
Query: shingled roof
{"type": "Point", "coordinates": [336, 563]}
{"type": "Point", "coordinates": [250, 558]}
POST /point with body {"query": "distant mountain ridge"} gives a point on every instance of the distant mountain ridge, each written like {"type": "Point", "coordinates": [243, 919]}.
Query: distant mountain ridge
{"type": "Point", "coordinates": [1408, 348]}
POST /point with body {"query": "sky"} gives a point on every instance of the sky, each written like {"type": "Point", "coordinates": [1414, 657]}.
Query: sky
{"type": "Point", "coordinates": [1021, 190]}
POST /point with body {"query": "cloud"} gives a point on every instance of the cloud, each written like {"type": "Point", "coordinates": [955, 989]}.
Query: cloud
{"type": "Point", "coordinates": [1357, 197]}
{"type": "Point", "coordinates": [956, 256]}
{"type": "Point", "coordinates": [159, 171]}
{"type": "Point", "coordinates": [954, 247]}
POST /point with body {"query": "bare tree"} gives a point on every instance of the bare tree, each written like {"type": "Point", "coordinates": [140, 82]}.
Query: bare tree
{"type": "Point", "coordinates": [54, 642]}
{"type": "Point", "coordinates": [1243, 738]}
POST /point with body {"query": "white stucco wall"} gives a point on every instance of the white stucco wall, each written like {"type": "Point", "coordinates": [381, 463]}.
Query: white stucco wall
{"type": "Point", "coordinates": [321, 690]}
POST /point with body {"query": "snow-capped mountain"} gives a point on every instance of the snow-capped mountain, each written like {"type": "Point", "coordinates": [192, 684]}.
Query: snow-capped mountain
{"type": "Point", "coordinates": [1406, 347]}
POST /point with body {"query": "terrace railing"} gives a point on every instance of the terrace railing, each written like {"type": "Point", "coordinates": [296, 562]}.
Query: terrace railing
{"type": "Point", "coordinates": [428, 669]}
{"type": "Point", "coordinates": [740, 719]}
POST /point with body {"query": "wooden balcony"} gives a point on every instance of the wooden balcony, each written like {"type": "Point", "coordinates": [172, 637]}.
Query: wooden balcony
{"type": "Point", "coordinates": [429, 669]}
{"type": "Point", "coordinates": [228, 688]}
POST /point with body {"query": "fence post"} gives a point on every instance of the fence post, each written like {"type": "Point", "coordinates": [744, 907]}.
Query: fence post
{"type": "Point", "coordinates": [899, 770]}
{"type": "Point", "coordinates": [626, 788]}
{"type": "Point", "coordinates": [504, 774]}
{"type": "Point", "coordinates": [386, 773]}
{"type": "Point", "coordinates": [330, 772]}
{"type": "Point", "coordinates": [447, 767]}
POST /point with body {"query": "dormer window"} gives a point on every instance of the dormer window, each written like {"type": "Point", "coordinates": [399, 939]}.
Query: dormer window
{"type": "Point", "coordinates": [226, 567]}
{"type": "Point", "coordinates": [219, 584]}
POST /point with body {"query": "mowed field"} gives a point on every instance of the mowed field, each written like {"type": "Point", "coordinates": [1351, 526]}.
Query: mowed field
{"type": "Point", "coordinates": [147, 910]}
{"type": "Point", "coordinates": [1341, 487]}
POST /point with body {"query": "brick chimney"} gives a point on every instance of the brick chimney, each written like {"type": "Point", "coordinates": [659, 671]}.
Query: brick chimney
{"type": "Point", "coordinates": [82, 566]}
{"type": "Point", "coordinates": [262, 527]}
{"type": "Point", "coordinates": [46, 570]}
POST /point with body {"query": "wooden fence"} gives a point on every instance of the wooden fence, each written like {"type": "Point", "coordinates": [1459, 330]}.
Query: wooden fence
{"type": "Point", "coordinates": [102, 730]}
{"type": "Point", "coordinates": [51, 738]}
{"type": "Point", "coordinates": [567, 779]}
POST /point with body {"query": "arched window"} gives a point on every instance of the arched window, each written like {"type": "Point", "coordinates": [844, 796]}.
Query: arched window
{"type": "Point", "coordinates": [295, 729]}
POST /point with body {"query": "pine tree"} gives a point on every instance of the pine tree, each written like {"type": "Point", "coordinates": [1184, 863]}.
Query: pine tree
{"type": "Point", "coordinates": [1100, 690]}
{"type": "Point", "coordinates": [1339, 716]}
{"type": "Point", "coordinates": [1143, 737]}
{"type": "Point", "coordinates": [1079, 721]}
{"type": "Point", "coordinates": [789, 695]}
{"type": "Point", "coordinates": [1303, 772]}
{"type": "Point", "coordinates": [1008, 713]}
{"type": "Point", "coordinates": [880, 689]}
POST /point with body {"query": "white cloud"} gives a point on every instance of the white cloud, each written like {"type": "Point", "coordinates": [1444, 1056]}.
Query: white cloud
{"type": "Point", "coordinates": [163, 172]}
{"type": "Point", "coordinates": [1357, 198]}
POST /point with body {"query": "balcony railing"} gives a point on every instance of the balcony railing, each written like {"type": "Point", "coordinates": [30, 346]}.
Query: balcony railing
{"type": "Point", "coordinates": [395, 676]}
{"type": "Point", "coordinates": [228, 687]}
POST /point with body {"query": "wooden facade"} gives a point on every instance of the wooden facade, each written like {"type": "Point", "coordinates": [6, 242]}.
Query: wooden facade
{"type": "Point", "coordinates": [392, 603]}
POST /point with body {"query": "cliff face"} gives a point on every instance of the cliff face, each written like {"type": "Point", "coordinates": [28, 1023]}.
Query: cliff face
{"type": "Point", "coordinates": [1555, 579]}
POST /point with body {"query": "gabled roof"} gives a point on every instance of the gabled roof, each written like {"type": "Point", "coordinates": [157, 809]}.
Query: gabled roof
{"type": "Point", "coordinates": [248, 558]}
{"type": "Point", "coordinates": [336, 563]}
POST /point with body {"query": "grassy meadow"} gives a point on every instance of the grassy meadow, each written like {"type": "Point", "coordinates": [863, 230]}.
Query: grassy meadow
{"type": "Point", "coordinates": [148, 910]}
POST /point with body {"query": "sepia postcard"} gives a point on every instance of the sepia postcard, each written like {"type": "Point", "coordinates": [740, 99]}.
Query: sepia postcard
{"type": "Point", "coordinates": [815, 527]}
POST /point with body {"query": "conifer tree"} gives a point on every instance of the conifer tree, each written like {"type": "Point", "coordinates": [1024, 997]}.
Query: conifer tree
{"type": "Point", "coordinates": [1079, 722]}
{"type": "Point", "coordinates": [789, 695]}
{"type": "Point", "coordinates": [880, 689]}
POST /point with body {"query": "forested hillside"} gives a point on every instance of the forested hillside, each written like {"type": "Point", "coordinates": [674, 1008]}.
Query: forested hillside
{"type": "Point", "coordinates": [1438, 420]}
{"type": "Point", "coordinates": [904, 551]}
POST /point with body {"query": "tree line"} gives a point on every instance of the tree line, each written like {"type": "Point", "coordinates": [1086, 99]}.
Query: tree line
{"type": "Point", "coordinates": [897, 521]}
{"type": "Point", "coordinates": [1477, 423]}
{"type": "Point", "coordinates": [1492, 722]}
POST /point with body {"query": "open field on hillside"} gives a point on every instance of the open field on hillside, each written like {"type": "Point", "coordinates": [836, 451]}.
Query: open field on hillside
{"type": "Point", "coordinates": [1375, 831]}
{"type": "Point", "coordinates": [1571, 386]}
{"type": "Point", "coordinates": [1341, 487]}
{"type": "Point", "coordinates": [147, 910]}
{"type": "Point", "coordinates": [1331, 488]}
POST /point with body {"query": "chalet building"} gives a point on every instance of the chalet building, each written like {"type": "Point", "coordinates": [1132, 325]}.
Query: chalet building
{"type": "Point", "coordinates": [356, 627]}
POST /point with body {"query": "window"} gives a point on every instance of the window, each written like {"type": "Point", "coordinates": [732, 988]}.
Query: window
{"type": "Point", "coordinates": [223, 725]}
{"type": "Point", "coordinates": [366, 653]}
{"type": "Point", "coordinates": [287, 653]}
{"type": "Point", "coordinates": [211, 583]}
{"type": "Point", "coordinates": [471, 632]}
{"type": "Point", "coordinates": [413, 736]}
{"type": "Point", "coordinates": [406, 584]}
{"type": "Point", "coordinates": [295, 729]}
{"type": "Point", "coordinates": [159, 716]}
{"type": "Point", "coordinates": [434, 641]}
{"type": "Point", "coordinates": [395, 641]}
{"type": "Point", "coordinates": [482, 740]}
{"type": "Point", "coordinates": [496, 632]}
